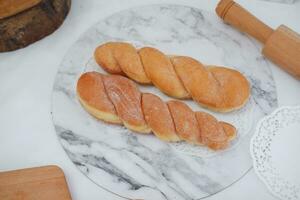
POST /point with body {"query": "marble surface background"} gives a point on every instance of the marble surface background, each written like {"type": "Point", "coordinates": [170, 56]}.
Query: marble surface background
{"type": "Point", "coordinates": [137, 166]}
{"type": "Point", "coordinates": [281, 1]}
{"type": "Point", "coordinates": [28, 137]}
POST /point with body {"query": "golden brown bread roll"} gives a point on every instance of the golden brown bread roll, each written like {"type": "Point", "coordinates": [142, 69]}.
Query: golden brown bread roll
{"type": "Point", "coordinates": [217, 88]}
{"type": "Point", "coordinates": [104, 56]}
{"type": "Point", "coordinates": [229, 130]}
{"type": "Point", "coordinates": [124, 58]}
{"type": "Point", "coordinates": [201, 84]}
{"type": "Point", "coordinates": [127, 104]}
{"type": "Point", "coordinates": [186, 125]}
{"type": "Point", "coordinates": [93, 97]}
{"type": "Point", "coordinates": [159, 118]}
{"type": "Point", "coordinates": [231, 82]}
{"type": "Point", "coordinates": [118, 100]}
{"type": "Point", "coordinates": [157, 65]}
{"type": "Point", "coordinates": [213, 134]}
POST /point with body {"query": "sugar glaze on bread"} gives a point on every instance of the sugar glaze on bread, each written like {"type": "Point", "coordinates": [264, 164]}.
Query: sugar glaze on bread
{"type": "Point", "coordinates": [217, 88]}
{"type": "Point", "coordinates": [116, 99]}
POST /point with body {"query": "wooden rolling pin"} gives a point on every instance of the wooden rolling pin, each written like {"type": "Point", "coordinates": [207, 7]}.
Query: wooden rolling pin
{"type": "Point", "coordinates": [282, 46]}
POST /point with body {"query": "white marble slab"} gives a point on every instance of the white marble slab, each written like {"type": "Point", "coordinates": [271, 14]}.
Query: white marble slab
{"type": "Point", "coordinates": [138, 166]}
{"type": "Point", "coordinates": [281, 1]}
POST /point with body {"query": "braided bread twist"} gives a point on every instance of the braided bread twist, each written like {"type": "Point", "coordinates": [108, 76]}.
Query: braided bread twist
{"type": "Point", "coordinates": [116, 99]}
{"type": "Point", "coordinates": [218, 88]}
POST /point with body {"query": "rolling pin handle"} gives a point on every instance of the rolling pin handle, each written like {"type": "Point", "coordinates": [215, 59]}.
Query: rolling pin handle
{"type": "Point", "coordinates": [235, 15]}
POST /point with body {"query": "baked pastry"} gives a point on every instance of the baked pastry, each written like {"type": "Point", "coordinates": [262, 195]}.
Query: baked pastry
{"type": "Point", "coordinates": [116, 99]}
{"type": "Point", "coordinates": [159, 118]}
{"type": "Point", "coordinates": [93, 97]}
{"type": "Point", "coordinates": [217, 88]}
{"type": "Point", "coordinates": [185, 122]}
{"type": "Point", "coordinates": [127, 104]}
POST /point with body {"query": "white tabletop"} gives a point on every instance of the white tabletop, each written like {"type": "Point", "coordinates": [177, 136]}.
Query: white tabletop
{"type": "Point", "coordinates": [27, 135]}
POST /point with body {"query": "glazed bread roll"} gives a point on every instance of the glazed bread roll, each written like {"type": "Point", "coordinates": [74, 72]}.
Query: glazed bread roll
{"type": "Point", "coordinates": [159, 118]}
{"type": "Point", "coordinates": [94, 98]}
{"type": "Point", "coordinates": [127, 104]}
{"type": "Point", "coordinates": [156, 66]}
{"type": "Point", "coordinates": [185, 122]}
{"type": "Point", "coordinates": [217, 88]}
{"type": "Point", "coordinates": [116, 99]}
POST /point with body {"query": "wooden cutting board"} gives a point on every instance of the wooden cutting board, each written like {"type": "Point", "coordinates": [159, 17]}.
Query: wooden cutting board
{"type": "Point", "coordinates": [23, 22]}
{"type": "Point", "coordinates": [39, 183]}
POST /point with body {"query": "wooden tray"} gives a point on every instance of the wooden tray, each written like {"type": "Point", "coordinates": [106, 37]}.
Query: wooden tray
{"type": "Point", "coordinates": [40, 183]}
{"type": "Point", "coordinates": [23, 22]}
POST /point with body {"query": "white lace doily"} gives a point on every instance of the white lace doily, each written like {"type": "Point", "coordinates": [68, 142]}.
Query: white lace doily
{"type": "Point", "coordinates": [275, 149]}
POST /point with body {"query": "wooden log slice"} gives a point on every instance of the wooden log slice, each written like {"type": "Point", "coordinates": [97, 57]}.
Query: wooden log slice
{"type": "Point", "coordinates": [25, 23]}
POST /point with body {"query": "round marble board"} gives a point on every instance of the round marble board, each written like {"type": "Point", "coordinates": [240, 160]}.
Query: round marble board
{"type": "Point", "coordinates": [141, 166]}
